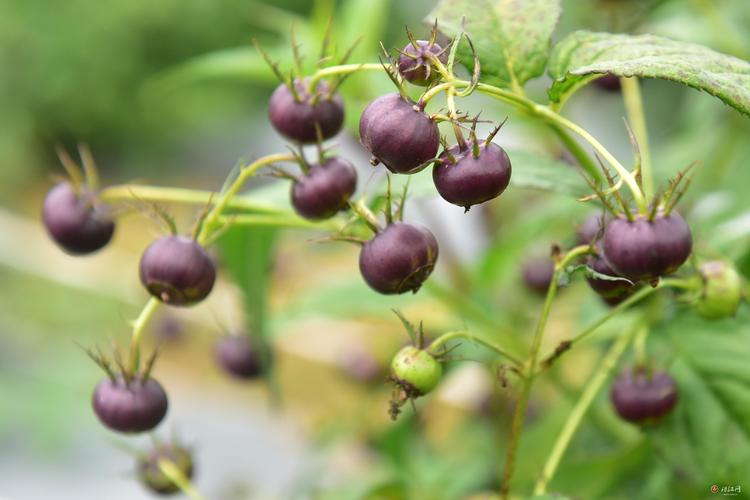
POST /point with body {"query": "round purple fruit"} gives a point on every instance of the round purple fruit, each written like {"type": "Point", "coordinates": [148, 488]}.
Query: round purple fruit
{"type": "Point", "coordinates": [477, 174]}
{"type": "Point", "coordinates": [74, 220]}
{"type": "Point", "coordinates": [607, 288]}
{"type": "Point", "coordinates": [177, 271]}
{"type": "Point", "coordinates": [299, 115]}
{"type": "Point", "coordinates": [325, 189]}
{"type": "Point", "coordinates": [591, 230]}
{"type": "Point", "coordinates": [538, 273]}
{"type": "Point", "coordinates": [130, 406]}
{"type": "Point", "coordinates": [398, 259]}
{"type": "Point", "coordinates": [643, 249]}
{"type": "Point", "coordinates": [237, 356]}
{"type": "Point", "coordinates": [640, 396]}
{"type": "Point", "coordinates": [415, 63]}
{"type": "Point", "coordinates": [398, 134]}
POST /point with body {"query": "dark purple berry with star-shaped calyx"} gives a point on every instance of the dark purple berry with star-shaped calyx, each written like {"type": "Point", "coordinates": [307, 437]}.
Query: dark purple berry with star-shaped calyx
{"type": "Point", "coordinates": [305, 115]}
{"type": "Point", "coordinates": [399, 134]}
{"type": "Point", "coordinates": [643, 396]}
{"type": "Point", "coordinates": [415, 62]}
{"type": "Point", "coordinates": [177, 270]}
{"type": "Point", "coordinates": [237, 356]}
{"type": "Point", "coordinates": [324, 188]}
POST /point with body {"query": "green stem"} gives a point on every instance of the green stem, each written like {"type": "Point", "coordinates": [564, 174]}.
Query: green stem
{"type": "Point", "coordinates": [631, 93]}
{"type": "Point", "coordinates": [285, 220]}
{"type": "Point", "coordinates": [684, 284]}
{"type": "Point", "coordinates": [343, 69]}
{"type": "Point", "coordinates": [133, 192]}
{"type": "Point", "coordinates": [519, 414]}
{"type": "Point", "coordinates": [139, 326]}
{"type": "Point", "coordinates": [169, 469]}
{"type": "Point", "coordinates": [447, 337]}
{"type": "Point", "coordinates": [579, 153]}
{"type": "Point", "coordinates": [596, 381]}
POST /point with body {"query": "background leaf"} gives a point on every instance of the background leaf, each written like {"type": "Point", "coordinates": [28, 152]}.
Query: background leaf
{"type": "Point", "coordinates": [511, 37]}
{"type": "Point", "coordinates": [583, 53]}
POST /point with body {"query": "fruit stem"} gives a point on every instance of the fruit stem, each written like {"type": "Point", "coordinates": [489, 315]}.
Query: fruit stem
{"type": "Point", "coordinates": [169, 469]}
{"type": "Point", "coordinates": [631, 94]}
{"type": "Point", "coordinates": [519, 414]}
{"type": "Point", "coordinates": [287, 220]}
{"type": "Point", "coordinates": [132, 192]}
{"type": "Point", "coordinates": [447, 337]}
{"type": "Point", "coordinates": [366, 215]}
{"type": "Point", "coordinates": [139, 325]}
{"type": "Point", "coordinates": [596, 381]}
{"type": "Point", "coordinates": [343, 69]}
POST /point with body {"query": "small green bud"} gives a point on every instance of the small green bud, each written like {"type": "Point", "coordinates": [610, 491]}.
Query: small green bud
{"type": "Point", "coordinates": [722, 290]}
{"type": "Point", "coordinates": [417, 370]}
{"type": "Point", "coordinates": [151, 474]}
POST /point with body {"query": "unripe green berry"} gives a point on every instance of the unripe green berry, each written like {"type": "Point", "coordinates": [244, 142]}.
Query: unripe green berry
{"type": "Point", "coordinates": [151, 474]}
{"type": "Point", "coordinates": [416, 370]}
{"type": "Point", "coordinates": [722, 290]}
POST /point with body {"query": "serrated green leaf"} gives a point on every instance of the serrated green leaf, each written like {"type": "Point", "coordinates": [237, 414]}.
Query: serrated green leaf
{"type": "Point", "coordinates": [583, 54]}
{"type": "Point", "coordinates": [511, 37]}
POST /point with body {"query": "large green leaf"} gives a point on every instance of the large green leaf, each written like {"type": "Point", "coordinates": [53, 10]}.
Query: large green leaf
{"type": "Point", "coordinates": [582, 54]}
{"type": "Point", "coordinates": [511, 37]}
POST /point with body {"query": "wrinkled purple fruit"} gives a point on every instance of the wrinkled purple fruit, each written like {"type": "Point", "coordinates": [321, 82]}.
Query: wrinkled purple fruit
{"type": "Point", "coordinates": [177, 271]}
{"type": "Point", "coordinates": [643, 250]}
{"type": "Point", "coordinates": [237, 356]}
{"type": "Point", "coordinates": [296, 119]}
{"type": "Point", "coordinates": [401, 137]}
{"type": "Point", "coordinates": [398, 259]}
{"type": "Point", "coordinates": [130, 407]}
{"type": "Point", "coordinates": [73, 220]}
{"type": "Point", "coordinates": [608, 82]}
{"type": "Point", "coordinates": [538, 273]}
{"type": "Point", "coordinates": [465, 180]}
{"type": "Point", "coordinates": [324, 189]}
{"type": "Point", "coordinates": [151, 475]}
{"type": "Point", "coordinates": [415, 64]}
{"type": "Point", "coordinates": [640, 397]}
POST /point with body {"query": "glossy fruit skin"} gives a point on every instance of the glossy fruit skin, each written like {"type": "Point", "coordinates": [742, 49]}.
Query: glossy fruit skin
{"type": "Point", "coordinates": [416, 370]}
{"type": "Point", "coordinates": [605, 288]}
{"type": "Point", "coordinates": [237, 356]}
{"type": "Point", "coordinates": [397, 135]}
{"type": "Point", "coordinates": [296, 119]}
{"type": "Point", "coordinates": [640, 398]}
{"type": "Point", "coordinates": [398, 259]}
{"type": "Point", "coordinates": [538, 273]}
{"type": "Point", "coordinates": [324, 189]}
{"type": "Point", "coordinates": [177, 271]}
{"type": "Point", "coordinates": [643, 250]}
{"type": "Point", "coordinates": [419, 70]}
{"type": "Point", "coordinates": [470, 181]}
{"type": "Point", "coordinates": [722, 290]}
{"type": "Point", "coordinates": [74, 222]}
{"type": "Point", "coordinates": [608, 83]}
{"type": "Point", "coordinates": [130, 407]}
{"type": "Point", "coordinates": [151, 475]}
{"type": "Point", "coordinates": [591, 230]}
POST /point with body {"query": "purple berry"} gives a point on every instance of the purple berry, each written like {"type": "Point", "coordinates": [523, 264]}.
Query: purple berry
{"type": "Point", "coordinates": [324, 189]}
{"type": "Point", "coordinates": [177, 271]}
{"type": "Point", "coordinates": [130, 406]}
{"type": "Point", "coordinates": [608, 83]}
{"type": "Point", "coordinates": [74, 220]}
{"type": "Point", "coordinates": [415, 64]}
{"type": "Point", "coordinates": [466, 180]}
{"type": "Point", "coordinates": [645, 250]}
{"type": "Point", "coordinates": [538, 274]}
{"type": "Point", "coordinates": [403, 138]}
{"type": "Point", "coordinates": [642, 397]}
{"type": "Point", "coordinates": [151, 475]}
{"type": "Point", "coordinates": [237, 356]}
{"type": "Point", "coordinates": [398, 259]}
{"type": "Point", "coordinates": [296, 118]}
{"type": "Point", "coordinates": [591, 230]}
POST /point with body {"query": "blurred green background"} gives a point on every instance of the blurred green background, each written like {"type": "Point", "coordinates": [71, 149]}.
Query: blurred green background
{"type": "Point", "coordinates": [172, 93]}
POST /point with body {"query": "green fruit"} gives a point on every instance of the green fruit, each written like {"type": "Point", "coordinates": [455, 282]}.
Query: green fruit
{"type": "Point", "coordinates": [151, 474]}
{"type": "Point", "coordinates": [722, 290]}
{"type": "Point", "coordinates": [416, 370]}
